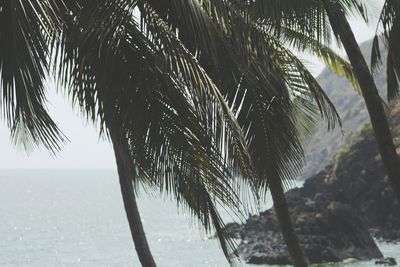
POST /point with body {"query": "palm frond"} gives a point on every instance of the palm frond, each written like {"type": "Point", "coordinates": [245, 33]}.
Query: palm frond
{"type": "Point", "coordinates": [330, 58]}
{"type": "Point", "coordinates": [25, 27]}
{"type": "Point", "coordinates": [304, 16]}
{"type": "Point", "coordinates": [265, 69]}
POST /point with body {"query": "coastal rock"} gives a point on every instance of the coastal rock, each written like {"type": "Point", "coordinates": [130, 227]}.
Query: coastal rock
{"type": "Point", "coordinates": [328, 233]}
{"type": "Point", "coordinates": [358, 173]}
{"type": "Point", "coordinates": [386, 262]}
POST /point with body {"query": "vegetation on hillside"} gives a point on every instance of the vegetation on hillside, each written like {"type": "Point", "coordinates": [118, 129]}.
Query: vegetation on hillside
{"type": "Point", "coordinates": [323, 145]}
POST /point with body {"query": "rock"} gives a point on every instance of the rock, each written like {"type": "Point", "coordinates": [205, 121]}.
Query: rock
{"type": "Point", "coordinates": [359, 175]}
{"type": "Point", "coordinates": [329, 233]}
{"type": "Point", "coordinates": [386, 262]}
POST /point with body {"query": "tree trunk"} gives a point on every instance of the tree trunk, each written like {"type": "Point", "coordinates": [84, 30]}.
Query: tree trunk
{"type": "Point", "coordinates": [126, 173]}
{"type": "Point", "coordinates": [285, 223]}
{"type": "Point", "coordinates": [369, 91]}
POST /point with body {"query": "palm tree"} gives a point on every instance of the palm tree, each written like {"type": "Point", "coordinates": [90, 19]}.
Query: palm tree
{"type": "Point", "coordinates": [198, 57]}
{"type": "Point", "coordinates": [369, 91]}
{"type": "Point", "coordinates": [390, 22]}
{"type": "Point", "coordinates": [308, 21]}
{"type": "Point", "coordinates": [174, 148]}
{"type": "Point", "coordinates": [305, 23]}
{"type": "Point", "coordinates": [260, 78]}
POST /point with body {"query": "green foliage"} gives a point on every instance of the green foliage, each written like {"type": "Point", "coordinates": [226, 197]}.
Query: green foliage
{"type": "Point", "coordinates": [343, 152]}
{"type": "Point", "coordinates": [366, 129]}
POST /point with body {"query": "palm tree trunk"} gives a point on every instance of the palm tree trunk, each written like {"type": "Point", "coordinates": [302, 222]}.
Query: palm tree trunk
{"type": "Point", "coordinates": [285, 223]}
{"type": "Point", "coordinates": [125, 172]}
{"type": "Point", "coordinates": [369, 91]}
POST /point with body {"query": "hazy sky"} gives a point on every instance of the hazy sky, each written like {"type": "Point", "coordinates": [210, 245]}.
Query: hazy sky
{"type": "Point", "coordinates": [85, 150]}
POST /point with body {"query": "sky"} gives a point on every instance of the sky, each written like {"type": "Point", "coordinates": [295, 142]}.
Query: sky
{"type": "Point", "coordinates": [85, 150]}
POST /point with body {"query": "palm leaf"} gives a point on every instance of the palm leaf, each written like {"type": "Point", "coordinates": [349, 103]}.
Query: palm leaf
{"type": "Point", "coordinates": [330, 58]}
{"type": "Point", "coordinates": [25, 27]}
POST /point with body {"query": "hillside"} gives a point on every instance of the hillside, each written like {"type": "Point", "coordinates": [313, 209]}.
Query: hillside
{"type": "Point", "coordinates": [323, 145]}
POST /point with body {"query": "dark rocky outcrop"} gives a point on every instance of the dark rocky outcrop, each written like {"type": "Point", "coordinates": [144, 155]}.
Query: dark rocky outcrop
{"type": "Point", "coordinates": [386, 262]}
{"type": "Point", "coordinates": [334, 212]}
{"type": "Point", "coordinates": [358, 173]}
{"type": "Point", "coordinates": [329, 231]}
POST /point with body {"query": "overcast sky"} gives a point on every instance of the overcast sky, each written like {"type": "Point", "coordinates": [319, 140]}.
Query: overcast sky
{"type": "Point", "coordinates": [85, 150]}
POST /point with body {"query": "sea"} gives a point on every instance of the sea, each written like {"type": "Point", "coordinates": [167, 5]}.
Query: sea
{"type": "Point", "coordinates": [76, 218]}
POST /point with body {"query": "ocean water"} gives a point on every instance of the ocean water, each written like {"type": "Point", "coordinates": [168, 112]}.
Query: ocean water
{"type": "Point", "coordinates": [76, 218]}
